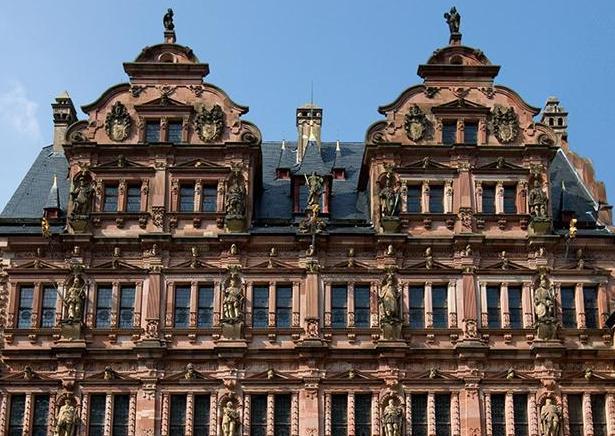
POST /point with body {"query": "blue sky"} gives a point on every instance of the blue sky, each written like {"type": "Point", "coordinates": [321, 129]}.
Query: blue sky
{"type": "Point", "coordinates": [358, 53]}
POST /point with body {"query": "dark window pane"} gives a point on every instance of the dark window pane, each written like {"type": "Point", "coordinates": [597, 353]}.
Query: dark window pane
{"type": "Point", "coordinates": [24, 315]}
{"type": "Point", "coordinates": [186, 198]}
{"type": "Point", "coordinates": [520, 414]}
{"type": "Point", "coordinates": [281, 417]}
{"type": "Point", "coordinates": [591, 307]}
{"type": "Point", "coordinates": [260, 306]}
{"type": "Point", "coordinates": [201, 415]}
{"type": "Point", "coordinates": [339, 306]}
{"type": "Point", "coordinates": [363, 415]}
{"type": "Point", "coordinates": [41, 415]}
{"type": "Point", "coordinates": [18, 404]}
{"type": "Point", "coordinates": [182, 306]}
{"type": "Point", "coordinates": [120, 415]}
{"type": "Point", "coordinates": [127, 304]}
{"type": "Point", "coordinates": [498, 419]}
{"type": "Point", "coordinates": [152, 131]}
{"type": "Point", "coordinates": [206, 306]}
{"type": "Point", "coordinates": [48, 307]}
{"type": "Point", "coordinates": [361, 306]}
{"type": "Point", "coordinates": [417, 307]}
{"type": "Point", "coordinates": [436, 199]}
{"type": "Point", "coordinates": [489, 199]}
{"type": "Point", "coordinates": [515, 307]}
{"type": "Point", "coordinates": [177, 422]}
{"type": "Point", "coordinates": [174, 131]}
{"type": "Point", "coordinates": [470, 132]}
{"type": "Point", "coordinates": [339, 415]}
{"type": "Point", "coordinates": [569, 309]}
{"type": "Point", "coordinates": [258, 415]}
{"type": "Point", "coordinates": [443, 414]}
{"type": "Point", "coordinates": [110, 200]}
{"type": "Point", "coordinates": [575, 414]}
{"type": "Point", "coordinates": [419, 414]}
{"type": "Point", "coordinates": [103, 306]}
{"type": "Point", "coordinates": [96, 421]}
{"type": "Point", "coordinates": [283, 306]}
{"type": "Point", "coordinates": [414, 198]}
{"type": "Point", "coordinates": [440, 306]}
{"type": "Point", "coordinates": [493, 307]}
{"type": "Point", "coordinates": [599, 415]}
{"type": "Point", "coordinates": [449, 132]}
{"type": "Point", "coordinates": [133, 198]}
{"type": "Point", "coordinates": [209, 199]}
{"type": "Point", "coordinates": [510, 199]}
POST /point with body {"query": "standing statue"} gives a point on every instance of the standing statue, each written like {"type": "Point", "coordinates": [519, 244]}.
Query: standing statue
{"type": "Point", "coordinates": [167, 21]}
{"type": "Point", "coordinates": [389, 196]}
{"type": "Point", "coordinates": [388, 298]}
{"type": "Point", "coordinates": [236, 194]}
{"type": "Point", "coordinates": [81, 195]}
{"type": "Point", "coordinates": [314, 185]}
{"type": "Point", "coordinates": [392, 419]}
{"type": "Point", "coordinates": [537, 201]}
{"type": "Point", "coordinates": [550, 418]}
{"type": "Point", "coordinates": [74, 298]}
{"type": "Point", "coordinates": [453, 19]}
{"type": "Point", "coordinates": [544, 308]}
{"type": "Point", "coordinates": [230, 420]}
{"type": "Point", "coordinates": [233, 299]}
{"type": "Point", "coordinates": [66, 419]}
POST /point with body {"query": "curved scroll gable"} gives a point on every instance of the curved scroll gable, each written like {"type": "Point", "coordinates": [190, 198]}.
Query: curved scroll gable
{"type": "Point", "coordinates": [402, 98]}
{"type": "Point", "coordinates": [168, 53]}
{"type": "Point", "coordinates": [458, 55]}
{"type": "Point", "coordinates": [517, 99]}
{"type": "Point", "coordinates": [376, 133]}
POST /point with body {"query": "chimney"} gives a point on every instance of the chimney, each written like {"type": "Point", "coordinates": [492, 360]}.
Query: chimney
{"type": "Point", "coordinates": [555, 116]}
{"type": "Point", "coordinates": [64, 115]}
{"type": "Point", "coordinates": [309, 123]}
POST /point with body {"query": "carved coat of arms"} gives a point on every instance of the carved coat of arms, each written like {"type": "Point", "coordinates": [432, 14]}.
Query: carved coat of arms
{"type": "Point", "coordinates": [118, 123]}
{"type": "Point", "coordinates": [504, 124]}
{"type": "Point", "coordinates": [209, 124]}
{"type": "Point", "coordinates": [416, 124]}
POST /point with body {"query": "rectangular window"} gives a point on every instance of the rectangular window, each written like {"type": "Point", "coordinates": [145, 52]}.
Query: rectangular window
{"type": "Point", "coordinates": [120, 415]}
{"type": "Point", "coordinates": [206, 307]}
{"type": "Point", "coordinates": [515, 307]}
{"type": "Point", "coordinates": [361, 306]}
{"type": "Point", "coordinates": [96, 421]}
{"type": "Point", "coordinates": [41, 415]}
{"type": "Point", "coordinates": [182, 307]}
{"type": "Point", "coordinates": [363, 415]}
{"type": "Point", "coordinates": [48, 307]}
{"type": "Point", "coordinates": [152, 131]}
{"type": "Point", "coordinates": [339, 415]}
{"type": "Point", "coordinates": [419, 414]}
{"type": "Point", "coordinates": [258, 415]}
{"type": "Point", "coordinates": [494, 315]}
{"type": "Point", "coordinates": [186, 198]}
{"type": "Point", "coordinates": [281, 416]}
{"type": "Point", "coordinates": [436, 199]}
{"type": "Point", "coordinates": [489, 199]}
{"type": "Point", "coordinates": [440, 306]}
{"type": "Point", "coordinates": [174, 131]}
{"type": "Point", "coordinates": [133, 198]}
{"type": "Point", "coordinates": [24, 312]}
{"type": "Point", "coordinates": [590, 303]}
{"type": "Point", "coordinates": [127, 306]}
{"type": "Point", "coordinates": [443, 414]}
{"type": "Point", "coordinates": [598, 405]}
{"type": "Point", "coordinates": [470, 132]}
{"type": "Point", "coordinates": [110, 200]}
{"type": "Point", "coordinates": [283, 306]}
{"type": "Point", "coordinates": [520, 414]}
{"type": "Point", "coordinates": [18, 404]}
{"type": "Point", "coordinates": [177, 421]}
{"type": "Point", "coordinates": [510, 199]}
{"type": "Point", "coordinates": [201, 415]}
{"type": "Point", "coordinates": [414, 196]}
{"type": "Point", "coordinates": [260, 306]}
{"type": "Point", "coordinates": [417, 307]}
{"type": "Point", "coordinates": [449, 132]}
{"type": "Point", "coordinates": [209, 199]}
{"type": "Point", "coordinates": [575, 414]}
{"type": "Point", "coordinates": [569, 308]}
{"type": "Point", "coordinates": [103, 306]}
{"type": "Point", "coordinates": [498, 418]}
{"type": "Point", "coordinates": [339, 306]}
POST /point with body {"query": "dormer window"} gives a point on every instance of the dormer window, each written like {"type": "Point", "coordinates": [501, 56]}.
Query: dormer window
{"type": "Point", "coordinates": [470, 132]}
{"type": "Point", "coordinates": [152, 131]}
{"type": "Point", "coordinates": [174, 132]}
{"type": "Point", "coordinates": [449, 132]}
{"type": "Point", "coordinates": [283, 173]}
{"type": "Point", "coordinates": [339, 173]}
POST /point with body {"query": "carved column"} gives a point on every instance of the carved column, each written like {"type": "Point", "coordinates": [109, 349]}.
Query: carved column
{"type": "Point", "coordinates": [603, 304]}
{"type": "Point", "coordinates": [194, 302]}
{"type": "Point", "coordinates": [198, 195]}
{"type": "Point", "coordinates": [532, 414]}
{"type": "Point", "coordinates": [132, 415]}
{"type": "Point", "coordinates": [189, 414]}
{"type": "Point", "coordinates": [152, 299]}
{"type": "Point", "coordinates": [248, 306]}
{"type": "Point", "coordinates": [350, 413]}
{"type": "Point", "coordinates": [247, 410]}
{"type": "Point", "coordinates": [294, 413]}
{"type": "Point", "coordinates": [408, 414]}
{"type": "Point", "coordinates": [327, 414]}
{"type": "Point", "coordinates": [455, 421]}
{"type": "Point", "coordinates": [121, 196]}
{"type": "Point", "coordinates": [405, 303]}
{"type": "Point", "coordinates": [499, 197]}
{"type": "Point", "coordinates": [522, 197]}
{"type": "Point", "coordinates": [478, 191]}
{"type": "Point", "coordinates": [27, 414]}
{"type": "Point", "coordinates": [509, 414]}
{"type": "Point", "coordinates": [452, 304]}
{"type": "Point", "coordinates": [565, 412]}
{"type": "Point", "coordinates": [108, 414]}
{"type": "Point", "coordinates": [51, 421]}
{"type": "Point", "coordinates": [144, 195]}
{"type": "Point", "coordinates": [504, 305]}
{"type": "Point", "coordinates": [376, 414]}
{"type": "Point", "coordinates": [373, 304]}
{"type": "Point", "coordinates": [85, 411]}
{"type": "Point", "coordinates": [588, 422]}
{"type": "Point", "coordinates": [138, 303]}
{"type": "Point", "coordinates": [431, 414]}
{"type": "Point", "coordinates": [528, 306]}
{"type": "Point", "coordinates": [327, 297]}
{"type": "Point", "coordinates": [469, 400]}
{"type": "Point", "coordinates": [425, 197]}
{"type": "Point", "coordinates": [484, 315]}
{"type": "Point", "coordinates": [488, 421]}
{"type": "Point", "coordinates": [36, 301]}
{"type": "Point", "coordinates": [272, 302]}
{"type": "Point", "coordinates": [468, 301]}
{"type": "Point", "coordinates": [448, 196]}
{"type": "Point", "coordinates": [270, 414]}
{"type": "Point", "coordinates": [169, 318]}
{"type": "Point", "coordinates": [164, 423]}
{"type": "Point", "coordinates": [610, 413]}
{"type": "Point", "coordinates": [115, 303]}
{"type": "Point", "coordinates": [428, 305]}
{"type": "Point", "coordinates": [580, 305]}
{"type": "Point", "coordinates": [296, 320]}
{"type": "Point", "coordinates": [213, 412]}
{"type": "Point", "coordinates": [350, 304]}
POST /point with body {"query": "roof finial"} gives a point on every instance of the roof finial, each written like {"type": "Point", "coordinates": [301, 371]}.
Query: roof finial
{"type": "Point", "coordinates": [453, 19]}
{"type": "Point", "coordinates": [169, 27]}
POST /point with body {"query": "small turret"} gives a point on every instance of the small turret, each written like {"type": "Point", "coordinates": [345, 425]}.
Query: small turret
{"type": "Point", "coordinates": [64, 115]}
{"type": "Point", "coordinates": [555, 116]}
{"type": "Point", "coordinates": [52, 207]}
{"type": "Point", "coordinates": [309, 124]}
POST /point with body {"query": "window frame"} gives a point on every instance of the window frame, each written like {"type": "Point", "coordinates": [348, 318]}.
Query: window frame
{"type": "Point", "coordinates": [99, 309]}
{"type": "Point", "coordinates": [449, 124]}
{"type": "Point", "coordinates": [23, 308]}
{"type": "Point", "coordinates": [280, 308]}
{"type": "Point", "coordinates": [201, 310]}
{"type": "Point", "coordinates": [592, 320]}
{"type": "Point", "coordinates": [40, 429]}
{"type": "Point", "coordinates": [177, 424]}
{"type": "Point", "coordinates": [213, 188]}
{"type": "Point", "coordinates": [125, 308]}
{"type": "Point", "coordinates": [470, 122]}
{"type": "Point", "coordinates": [259, 321]}
{"type": "Point", "coordinates": [182, 188]}
{"type": "Point", "coordinates": [412, 308]}
{"type": "Point", "coordinates": [567, 310]}
{"type": "Point", "coordinates": [340, 310]}
{"type": "Point", "coordinates": [494, 312]}
{"type": "Point", "coordinates": [146, 131]}
{"type": "Point", "coordinates": [174, 122]}
{"type": "Point", "coordinates": [52, 309]}
{"type": "Point", "coordinates": [440, 189]}
{"type": "Point", "coordinates": [96, 427]}
{"type": "Point", "coordinates": [440, 308]}
{"type": "Point", "coordinates": [419, 197]}
{"type": "Point", "coordinates": [181, 310]}
{"type": "Point", "coordinates": [510, 194]}
{"type": "Point", "coordinates": [108, 186]}
{"type": "Point", "coordinates": [362, 313]}
{"type": "Point", "coordinates": [134, 187]}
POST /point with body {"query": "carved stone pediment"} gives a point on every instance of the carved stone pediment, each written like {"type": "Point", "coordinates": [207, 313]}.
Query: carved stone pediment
{"type": "Point", "coordinates": [118, 123]}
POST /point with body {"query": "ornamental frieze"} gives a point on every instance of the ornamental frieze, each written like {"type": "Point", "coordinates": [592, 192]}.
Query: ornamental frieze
{"type": "Point", "coordinates": [118, 123]}
{"type": "Point", "coordinates": [209, 124]}
{"type": "Point", "coordinates": [504, 124]}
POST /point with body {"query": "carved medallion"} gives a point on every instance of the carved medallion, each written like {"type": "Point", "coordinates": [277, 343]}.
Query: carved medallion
{"type": "Point", "coordinates": [504, 124]}
{"type": "Point", "coordinates": [118, 123]}
{"type": "Point", "coordinates": [209, 124]}
{"type": "Point", "coordinates": [416, 124]}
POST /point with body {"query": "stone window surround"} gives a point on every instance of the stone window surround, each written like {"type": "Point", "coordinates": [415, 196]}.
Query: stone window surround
{"type": "Point", "coordinates": [198, 183]}
{"type": "Point", "coordinates": [601, 298]}
{"type": "Point", "coordinates": [194, 301]}
{"type": "Point", "coordinates": [85, 409]}
{"type": "Point", "coordinates": [532, 410]}
{"type": "Point", "coordinates": [166, 408]}
{"type": "Point", "coordinates": [431, 409]}
{"type": "Point", "coordinates": [481, 134]}
{"type": "Point", "coordinates": [14, 290]}
{"type": "Point", "coordinates": [424, 182]}
{"type": "Point", "coordinates": [28, 418]}
{"type": "Point", "coordinates": [587, 410]}
{"type": "Point", "coordinates": [499, 181]}
{"type": "Point", "coordinates": [271, 392]}
{"type": "Point", "coordinates": [295, 285]}
{"type": "Point", "coordinates": [90, 303]}
{"type": "Point", "coordinates": [350, 393]}
{"type": "Point", "coordinates": [122, 186]}
{"type": "Point", "coordinates": [526, 302]}
{"type": "Point", "coordinates": [164, 122]}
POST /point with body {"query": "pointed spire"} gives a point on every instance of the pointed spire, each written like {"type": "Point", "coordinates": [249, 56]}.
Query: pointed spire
{"type": "Point", "coordinates": [52, 205]}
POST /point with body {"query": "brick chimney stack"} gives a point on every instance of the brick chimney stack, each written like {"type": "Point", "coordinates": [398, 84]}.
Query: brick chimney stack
{"type": "Point", "coordinates": [64, 115]}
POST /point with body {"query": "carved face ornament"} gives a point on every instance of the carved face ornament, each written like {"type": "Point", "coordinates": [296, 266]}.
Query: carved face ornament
{"type": "Point", "coordinates": [209, 124]}
{"type": "Point", "coordinates": [118, 123]}
{"type": "Point", "coordinates": [416, 123]}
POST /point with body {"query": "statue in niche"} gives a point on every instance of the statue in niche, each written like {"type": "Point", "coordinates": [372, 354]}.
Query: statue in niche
{"type": "Point", "coordinates": [230, 419]}
{"type": "Point", "coordinates": [389, 299]}
{"type": "Point", "coordinates": [81, 195]}
{"type": "Point", "coordinates": [453, 19]}
{"type": "Point", "coordinates": [537, 200]}
{"type": "Point", "coordinates": [67, 418]}
{"type": "Point", "coordinates": [167, 21]}
{"type": "Point", "coordinates": [544, 308]}
{"type": "Point", "coordinates": [236, 194]}
{"type": "Point", "coordinates": [550, 418]}
{"type": "Point", "coordinates": [314, 184]}
{"type": "Point", "coordinates": [74, 298]}
{"type": "Point", "coordinates": [389, 196]}
{"type": "Point", "coordinates": [233, 299]}
{"type": "Point", "coordinates": [392, 418]}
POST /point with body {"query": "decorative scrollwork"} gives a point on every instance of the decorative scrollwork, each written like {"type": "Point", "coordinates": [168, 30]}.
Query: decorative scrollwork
{"type": "Point", "coordinates": [504, 124]}
{"type": "Point", "coordinates": [118, 123]}
{"type": "Point", "coordinates": [209, 124]}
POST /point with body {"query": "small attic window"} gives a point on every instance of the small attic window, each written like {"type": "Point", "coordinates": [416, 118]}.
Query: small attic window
{"type": "Point", "coordinates": [167, 57]}
{"type": "Point", "coordinates": [456, 60]}
{"type": "Point", "coordinates": [339, 173]}
{"type": "Point", "coordinates": [282, 173]}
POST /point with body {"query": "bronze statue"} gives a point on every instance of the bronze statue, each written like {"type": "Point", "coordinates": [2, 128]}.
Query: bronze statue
{"type": "Point", "coordinates": [230, 420]}
{"type": "Point", "coordinates": [167, 21]}
{"type": "Point", "coordinates": [66, 422]}
{"type": "Point", "coordinates": [389, 196]}
{"type": "Point", "coordinates": [389, 299]}
{"type": "Point", "coordinates": [453, 19]}
{"type": "Point", "coordinates": [81, 195]}
{"type": "Point", "coordinates": [392, 417]}
{"type": "Point", "coordinates": [233, 299]}
{"type": "Point", "coordinates": [314, 185]}
{"type": "Point", "coordinates": [537, 201]}
{"type": "Point", "coordinates": [74, 298]}
{"type": "Point", "coordinates": [550, 418]}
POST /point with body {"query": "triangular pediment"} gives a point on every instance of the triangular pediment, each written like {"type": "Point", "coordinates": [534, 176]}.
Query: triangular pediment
{"type": "Point", "coordinates": [509, 375]}
{"type": "Point", "coordinates": [110, 376]}
{"type": "Point", "coordinates": [272, 375]}
{"type": "Point", "coordinates": [351, 375]}
{"type": "Point", "coordinates": [201, 164]}
{"type": "Point", "coordinates": [196, 264]}
{"type": "Point", "coordinates": [351, 265]}
{"type": "Point", "coordinates": [425, 164]}
{"type": "Point", "coordinates": [271, 263]}
{"type": "Point", "coordinates": [38, 264]}
{"type": "Point", "coordinates": [501, 164]}
{"type": "Point", "coordinates": [433, 374]}
{"type": "Point", "coordinates": [587, 375]}
{"type": "Point", "coordinates": [507, 265]}
{"type": "Point", "coordinates": [28, 376]}
{"type": "Point", "coordinates": [117, 264]}
{"type": "Point", "coordinates": [428, 266]}
{"type": "Point", "coordinates": [120, 164]}
{"type": "Point", "coordinates": [166, 102]}
{"type": "Point", "coordinates": [460, 104]}
{"type": "Point", "coordinates": [190, 375]}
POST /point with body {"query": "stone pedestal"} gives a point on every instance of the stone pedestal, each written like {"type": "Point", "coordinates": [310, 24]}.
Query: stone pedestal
{"type": "Point", "coordinates": [79, 223]}
{"type": "Point", "coordinates": [70, 331]}
{"type": "Point", "coordinates": [390, 331]}
{"type": "Point", "coordinates": [390, 224]}
{"type": "Point", "coordinates": [235, 224]}
{"type": "Point", "coordinates": [539, 227]}
{"type": "Point", "coordinates": [232, 330]}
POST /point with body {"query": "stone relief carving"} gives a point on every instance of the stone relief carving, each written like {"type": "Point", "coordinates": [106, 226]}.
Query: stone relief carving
{"type": "Point", "coordinates": [74, 296]}
{"type": "Point", "coordinates": [504, 124]}
{"type": "Point", "coordinates": [230, 419]}
{"type": "Point", "coordinates": [550, 418]}
{"type": "Point", "coordinates": [67, 417]}
{"type": "Point", "coordinates": [232, 298]}
{"type": "Point", "coordinates": [544, 308]}
{"type": "Point", "coordinates": [81, 195]}
{"type": "Point", "coordinates": [537, 201]}
{"type": "Point", "coordinates": [389, 307]}
{"type": "Point", "coordinates": [235, 203]}
{"type": "Point", "coordinates": [209, 124]}
{"type": "Point", "coordinates": [392, 418]}
{"type": "Point", "coordinates": [389, 194]}
{"type": "Point", "coordinates": [118, 123]}
{"type": "Point", "coordinates": [416, 124]}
